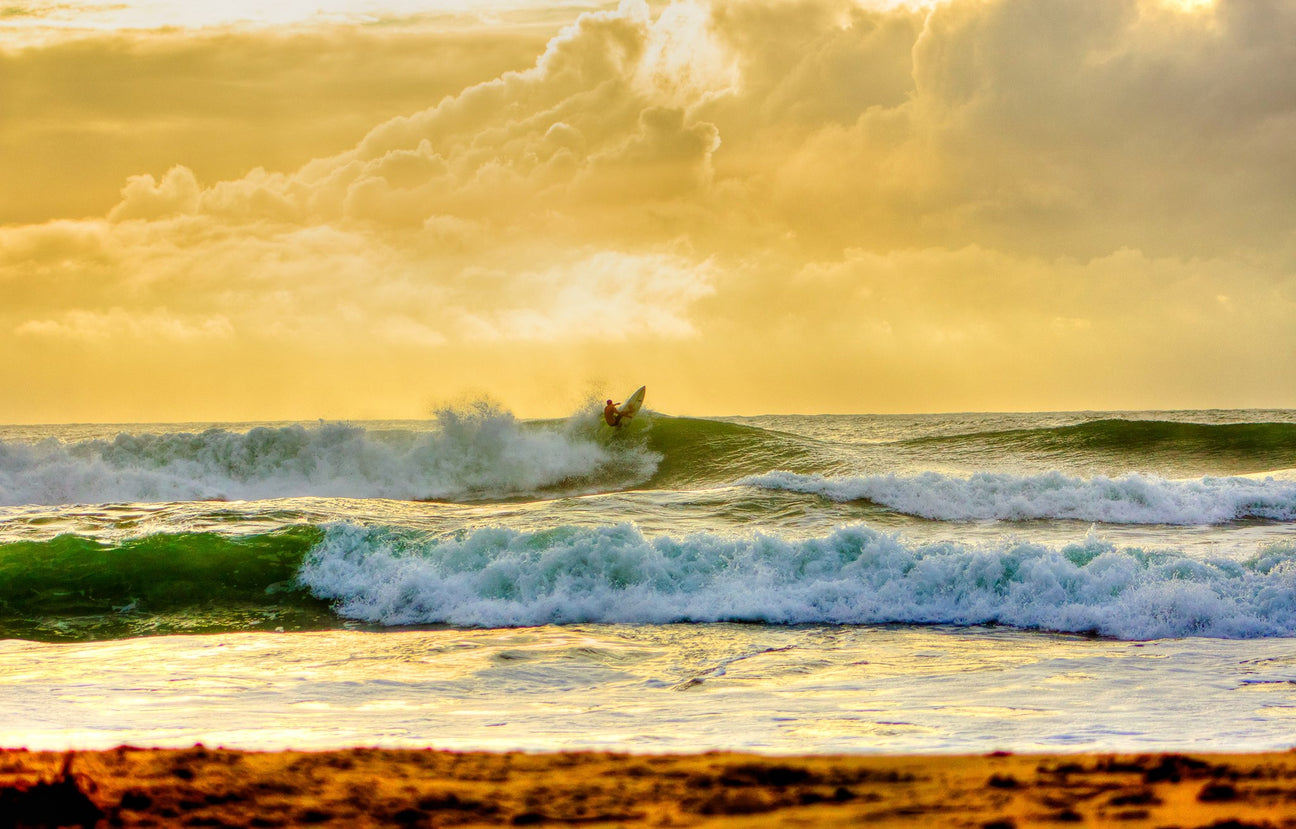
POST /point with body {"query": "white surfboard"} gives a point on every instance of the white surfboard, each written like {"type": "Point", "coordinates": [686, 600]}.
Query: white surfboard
{"type": "Point", "coordinates": [631, 405]}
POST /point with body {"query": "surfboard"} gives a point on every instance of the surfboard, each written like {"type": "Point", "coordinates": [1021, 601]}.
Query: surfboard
{"type": "Point", "coordinates": [631, 405]}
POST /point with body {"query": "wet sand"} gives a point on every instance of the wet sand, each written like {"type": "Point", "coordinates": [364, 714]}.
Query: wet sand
{"type": "Point", "coordinates": [375, 787]}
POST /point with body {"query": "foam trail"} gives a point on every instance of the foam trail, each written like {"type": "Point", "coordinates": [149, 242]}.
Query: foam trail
{"type": "Point", "coordinates": [480, 452]}
{"type": "Point", "coordinates": [1130, 499]}
{"type": "Point", "coordinates": [494, 577]}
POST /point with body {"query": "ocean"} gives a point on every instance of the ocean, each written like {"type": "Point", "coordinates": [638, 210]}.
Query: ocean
{"type": "Point", "coordinates": [1089, 581]}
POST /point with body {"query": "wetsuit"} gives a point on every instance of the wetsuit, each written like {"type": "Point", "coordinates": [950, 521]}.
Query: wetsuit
{"type": "Point", "coordinates": [611, 415]}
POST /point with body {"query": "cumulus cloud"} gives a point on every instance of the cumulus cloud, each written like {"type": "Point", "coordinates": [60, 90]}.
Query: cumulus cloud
{"type": "Point", "coordinates": [87, 109]}
{"type": "Point", "coordinates": [944, 206]}
{"type": "Point", "coordinates": [144, 198]}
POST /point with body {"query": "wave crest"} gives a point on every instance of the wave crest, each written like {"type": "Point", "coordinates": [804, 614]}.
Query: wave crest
{"type": "Point", "coordinates": [613, 574]}
{"type": "Point", "coordinates": [1129, 499]}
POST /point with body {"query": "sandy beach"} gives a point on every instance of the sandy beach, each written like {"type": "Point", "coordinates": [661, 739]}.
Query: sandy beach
{"type": "Point", "coordinates": [374, 787]}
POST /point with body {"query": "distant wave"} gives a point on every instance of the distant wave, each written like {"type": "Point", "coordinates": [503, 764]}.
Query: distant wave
{"type": "Point", "coordinates": [478, 452]}
{"type": "Point", "coordinates": [705, 453]}
{"type": "Point", "coordinates": [1129, 499]}
{"type": "Point", "coordinates": [614, 574]}
{"type": "Point", "coordinates": [1263, 445]}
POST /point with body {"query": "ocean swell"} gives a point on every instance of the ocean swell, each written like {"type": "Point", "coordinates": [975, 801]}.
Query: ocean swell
{"type": "Point", "coordinates": [1129, 499]}
{"type": "Point", "coordinates": [1260, 441]}
{"type": "Point", "coordinates": [494, 577]}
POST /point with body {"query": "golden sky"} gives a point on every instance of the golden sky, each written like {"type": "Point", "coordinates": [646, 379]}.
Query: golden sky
{"type": "Point", "coordinates": [354, 209]}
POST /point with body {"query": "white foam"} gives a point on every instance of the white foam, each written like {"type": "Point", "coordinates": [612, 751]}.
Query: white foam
{"type": "Point", "coordinates": [1130, 499]}
{"type": "Point", "coordinates": [479, 452]}
{"type": "Point", "coordinates": [614, 574]}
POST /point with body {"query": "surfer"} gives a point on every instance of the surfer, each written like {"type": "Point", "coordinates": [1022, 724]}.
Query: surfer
{"type": "Point", "coordinates": [611, 414]}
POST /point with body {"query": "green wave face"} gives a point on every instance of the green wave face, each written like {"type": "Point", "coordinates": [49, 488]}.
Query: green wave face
{"type": "Point", "coordinates": [704, 452]}
{"type": "Point", "coordinates": [1223, 447]}
{"type": "Point", "coordinates": [73, 588]}
{"type": "Point", "coordinates": [700, 452]}
{"type": "Point", "coordinates": [1242, 439]}
{"type": "Point", "coordinates": [695, 453]}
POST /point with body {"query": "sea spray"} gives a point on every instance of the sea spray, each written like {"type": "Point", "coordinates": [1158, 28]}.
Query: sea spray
{"type": "Point", "coordinates": [494, 577]}
{"type": "Point", "coordinates": [475, 452]}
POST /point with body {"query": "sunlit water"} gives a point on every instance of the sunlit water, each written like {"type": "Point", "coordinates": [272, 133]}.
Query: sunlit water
{"type": "Point", "coordinates": [959, 583]}
{"type": "Point", "coordinates": [671, 688]}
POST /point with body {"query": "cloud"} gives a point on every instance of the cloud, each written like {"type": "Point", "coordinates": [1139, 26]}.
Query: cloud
{"type": "Point", "coordinates": [100, 326]}
{"type": "Point", "coordinates": [816, 204]}
{"type": "Point", "coordinates": [85, 112]}
{"type": "Point", "coordinates": [607, 298]}
{"type": "Point", "coordinates": [144, 198]}
{"type": "Point", "coordinates": [1080, 128]}
{"type": "Point", "coordinates": [977, 329]}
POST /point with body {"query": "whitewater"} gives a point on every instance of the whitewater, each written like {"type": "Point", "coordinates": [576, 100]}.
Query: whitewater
{"type": "Point", "coordinates": [802, 584]}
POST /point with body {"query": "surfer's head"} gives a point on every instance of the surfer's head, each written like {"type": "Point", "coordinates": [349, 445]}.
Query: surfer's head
{"type": "Point", "coordinates": [609, 402]}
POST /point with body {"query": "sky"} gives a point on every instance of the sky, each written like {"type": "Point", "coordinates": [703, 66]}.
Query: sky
{"type": "Point", "coordinates": [342, 209]}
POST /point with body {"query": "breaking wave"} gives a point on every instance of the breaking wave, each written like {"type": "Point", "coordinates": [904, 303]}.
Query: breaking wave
{"type": "Point", "coordinates": [316, 577]}
{"type": "Point", "coordinates": [856, 575]}
{"type": "Point", "coordinates": [481, 453]}
{"type": "Point", "coordinates": [475, 453]}
{"type": "Point", "coordinates": [1129, 499]}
